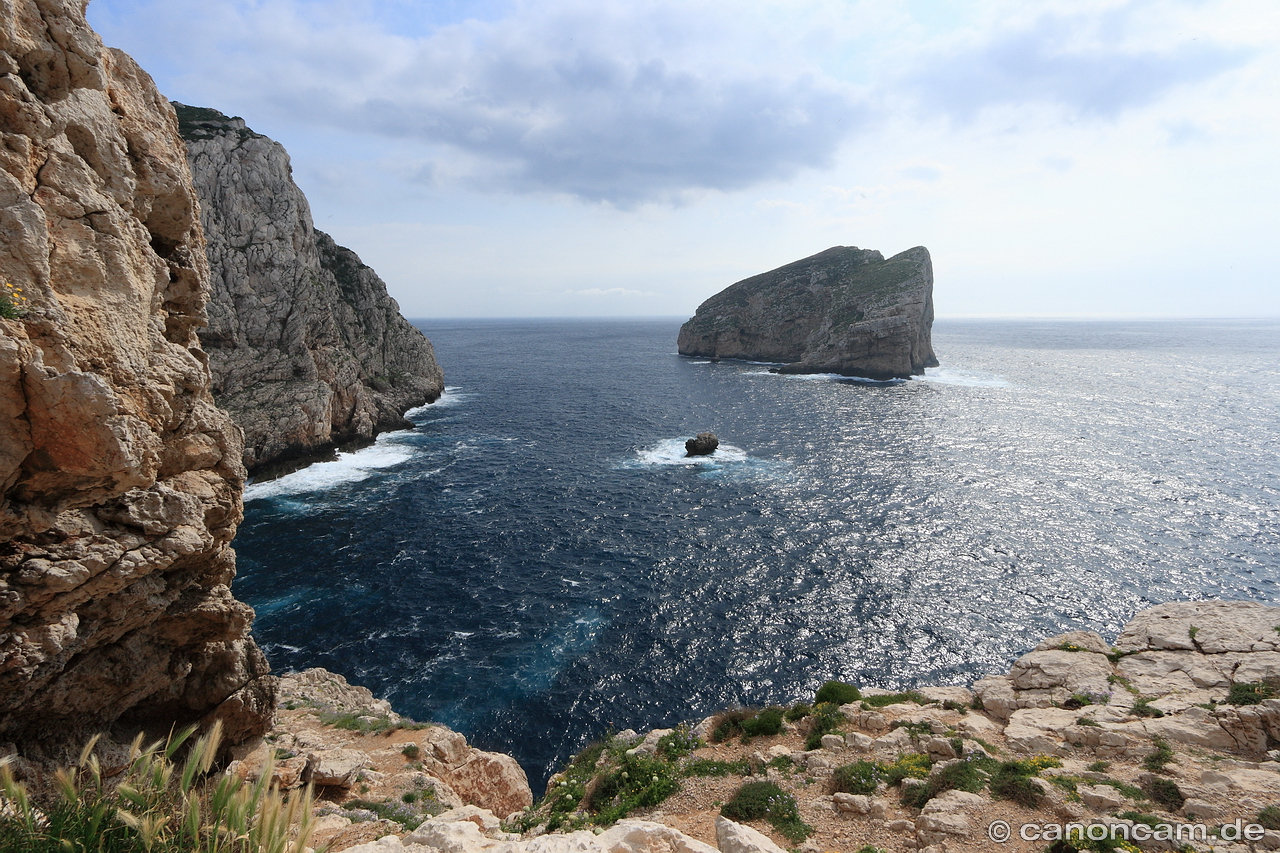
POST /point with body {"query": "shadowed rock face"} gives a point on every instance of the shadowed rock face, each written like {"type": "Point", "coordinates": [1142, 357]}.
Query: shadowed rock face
{"type": "Point", "coordinates": [120, 480]}
{"type": "Point", "coordinates": [306, 347]}
{"type": "Point", "coordinates": [846, 310]}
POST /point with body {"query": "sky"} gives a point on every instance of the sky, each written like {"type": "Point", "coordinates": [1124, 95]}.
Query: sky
{"type": "Point", "coordinates": [1090, 158]}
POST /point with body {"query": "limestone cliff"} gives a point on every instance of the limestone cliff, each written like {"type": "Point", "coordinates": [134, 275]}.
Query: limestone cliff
{"type": "Point", "coordinates": [120, 480]}
{"type": "Point", "coordinates": [846, 310]}
{"type": "Point", "coordinates": [306, 347]}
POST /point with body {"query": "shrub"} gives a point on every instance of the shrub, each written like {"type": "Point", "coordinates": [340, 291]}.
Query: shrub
{"type": "Point", "coordinates": [767, 722]}
{"type": "Point", "coordinates": [728, 724]}
{"type": "Point", "coordinates": [1165, 793]}
{"type": "Point", "coordinates": [564, 797]}
{"type": "Point", "coordinates": [411, 751]}
{"type": "Point", "coordinates": [765, 800]}
{"type": "Point", "coordinates": [968, 775]}
{"type": "Point", "coordinates": [837, 693]}
{"type": "Point", "coordinates": [1269, 817]}
{"type": "Point", "coordinates": [1249, 693]}
{"type": "Point", "coordinates": [159, 806]}
{"type": "Point", "coordinates": [1098, 767]}
{"type": "Point", "coordinates": [782, 763]}
{"type": "Point", "coordinates": [860, 777]}
{"type": "Point", "coordinates": [678, 744]}
{"type": "Point", "coordinates": [636, 782]}
{"type": "Point", "coordinates": [914, 765]}
{"type": "Point", "coordinates": [1012, 779]}
{"type": "Point", "coordinates": [826, 718]}
{"type": "Point", "coordinates": [797, 712]}
{"type": "Point", "coordinates": [1158, 757]}
{"type": "Point", "coordinates": [1142, 708]}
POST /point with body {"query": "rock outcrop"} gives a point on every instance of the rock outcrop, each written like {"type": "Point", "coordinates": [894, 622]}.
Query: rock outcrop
{"type": "Point", "coordinates": [307, 349]}
{"type": "Point", "coordinates": [702, 444]}
{"type": "Point", "coordinates": [846, 310]}
{"type": "Point", "coordinates": [340, 738]}
{"type": "Point", "coordinates": [121, 480]}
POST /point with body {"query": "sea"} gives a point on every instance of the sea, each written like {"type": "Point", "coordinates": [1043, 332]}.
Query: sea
{"type": "Point", "coordinates": [537, 562]}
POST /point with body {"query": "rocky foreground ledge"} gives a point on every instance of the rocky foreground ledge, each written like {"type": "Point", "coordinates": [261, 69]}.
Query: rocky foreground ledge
{"type": "Point", "coordinates": [1169, 737]}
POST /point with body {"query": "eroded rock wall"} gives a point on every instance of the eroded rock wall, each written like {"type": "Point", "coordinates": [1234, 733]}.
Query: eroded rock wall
{"type": "Point", "coordinates": [306, 347]}
{"type": "Point", "coordinates": [120, 479]}
{"type": "Point", "coordinates": [846, 310]}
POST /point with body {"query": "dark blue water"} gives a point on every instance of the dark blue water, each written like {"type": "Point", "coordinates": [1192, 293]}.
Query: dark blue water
{"type": "Point", "coordinates": [536, 561]}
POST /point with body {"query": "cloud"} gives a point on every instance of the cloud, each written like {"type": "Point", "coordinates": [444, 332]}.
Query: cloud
{"type": "Point", "coordinates": [619, 103]}
{"type": "Point", "coordinates": [1090, 64]}
{"type": "Point", "coordinates": [626, 103]}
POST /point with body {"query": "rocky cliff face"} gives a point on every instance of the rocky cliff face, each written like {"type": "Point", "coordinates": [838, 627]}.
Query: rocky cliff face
{"type": "Point", "coordinates": [846, 310]}
{"type": "Point", "coordinates": [306, 347]}
{"type": "Point", "coordinates": [120, 479]}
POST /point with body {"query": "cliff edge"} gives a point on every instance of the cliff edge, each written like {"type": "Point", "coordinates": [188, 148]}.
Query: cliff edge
{"type": "Point", "coordinates": [120, 480]}
{"type": "Point", "coordinates": [307, 349]}
{"type": "Point", "coordinates": [846, 310]}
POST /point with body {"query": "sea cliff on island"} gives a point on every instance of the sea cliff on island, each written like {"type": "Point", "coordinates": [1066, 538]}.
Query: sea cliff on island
{"type": "Point", "coordinates": [846, 310]}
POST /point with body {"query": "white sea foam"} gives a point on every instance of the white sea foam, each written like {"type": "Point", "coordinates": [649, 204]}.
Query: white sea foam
{"type": "Point", "coordinates": [967, 378]}
{"type": "Point", "coordinates": [671, 451]}
{"type": "Point", "coordinates": [827, 377]}
{"type": "Point", "coordinates": [387, 452]}
{"type": "Point", "coordinates": [450, 397]}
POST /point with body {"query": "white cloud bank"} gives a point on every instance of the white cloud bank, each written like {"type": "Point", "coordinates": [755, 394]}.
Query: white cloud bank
{"type": "Point", "coordinates": [704, 141]}
{"type": "Point", "coordinates": [646, 101]}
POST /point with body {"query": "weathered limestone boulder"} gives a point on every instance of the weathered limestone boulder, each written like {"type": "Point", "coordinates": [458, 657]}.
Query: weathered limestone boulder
{"type": "Point", "coordinates": [950, 801]}
{"type": "Point", "coordinates": [846, 310]}
{"type": "Point", "coordinates": [1038, 730]}
{"type": "Point", "coordinates": [1103, 798]}
{"type": "Point", "coordinates": [942, 827]}
{"type": "Point", "coordinates": [120, 480]}
{"type": "Point", "coordinates": [628, 836]}
{"type": "Point", "coordinates": [1070, 672]}
{"type": "Point", "coordinates": [1076, 641]}
{"type": "Point", "coordinates": [851, 803]}
{"type": "Point", "coordinates": [306, 347]}
{"type": "Point", "coordinates": [1208, 627]}
{"type": "Point", "coordinates": [733, 837]}
{"type": "Point", "coordinates": [336, 768]}
{"type": "Point", "coordinates": [703, 444]}
{"type": "Point", "coordinates": [491, 780]}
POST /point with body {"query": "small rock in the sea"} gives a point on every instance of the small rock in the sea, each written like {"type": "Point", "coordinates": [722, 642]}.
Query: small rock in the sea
{"type": "Point", "coordinates": [704, 444]}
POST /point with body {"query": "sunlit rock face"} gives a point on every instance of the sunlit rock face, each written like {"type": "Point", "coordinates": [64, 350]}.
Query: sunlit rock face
{"type": "Point", "coordinates": [121, 480]}
{"type": "Point", "coordinates": [846, 310]}
{"type": "Point", "coordinates": [306, 347]}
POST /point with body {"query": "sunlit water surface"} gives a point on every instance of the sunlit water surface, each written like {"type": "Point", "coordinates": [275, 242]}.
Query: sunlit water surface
{"type": "Point", "coordinates": [537, 560]}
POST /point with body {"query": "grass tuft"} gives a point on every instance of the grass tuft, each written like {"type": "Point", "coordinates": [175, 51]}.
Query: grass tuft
{"type": "Point", "coordinates": [160, 806]}
{"type": "Point", "coordinates": [766, 801]}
